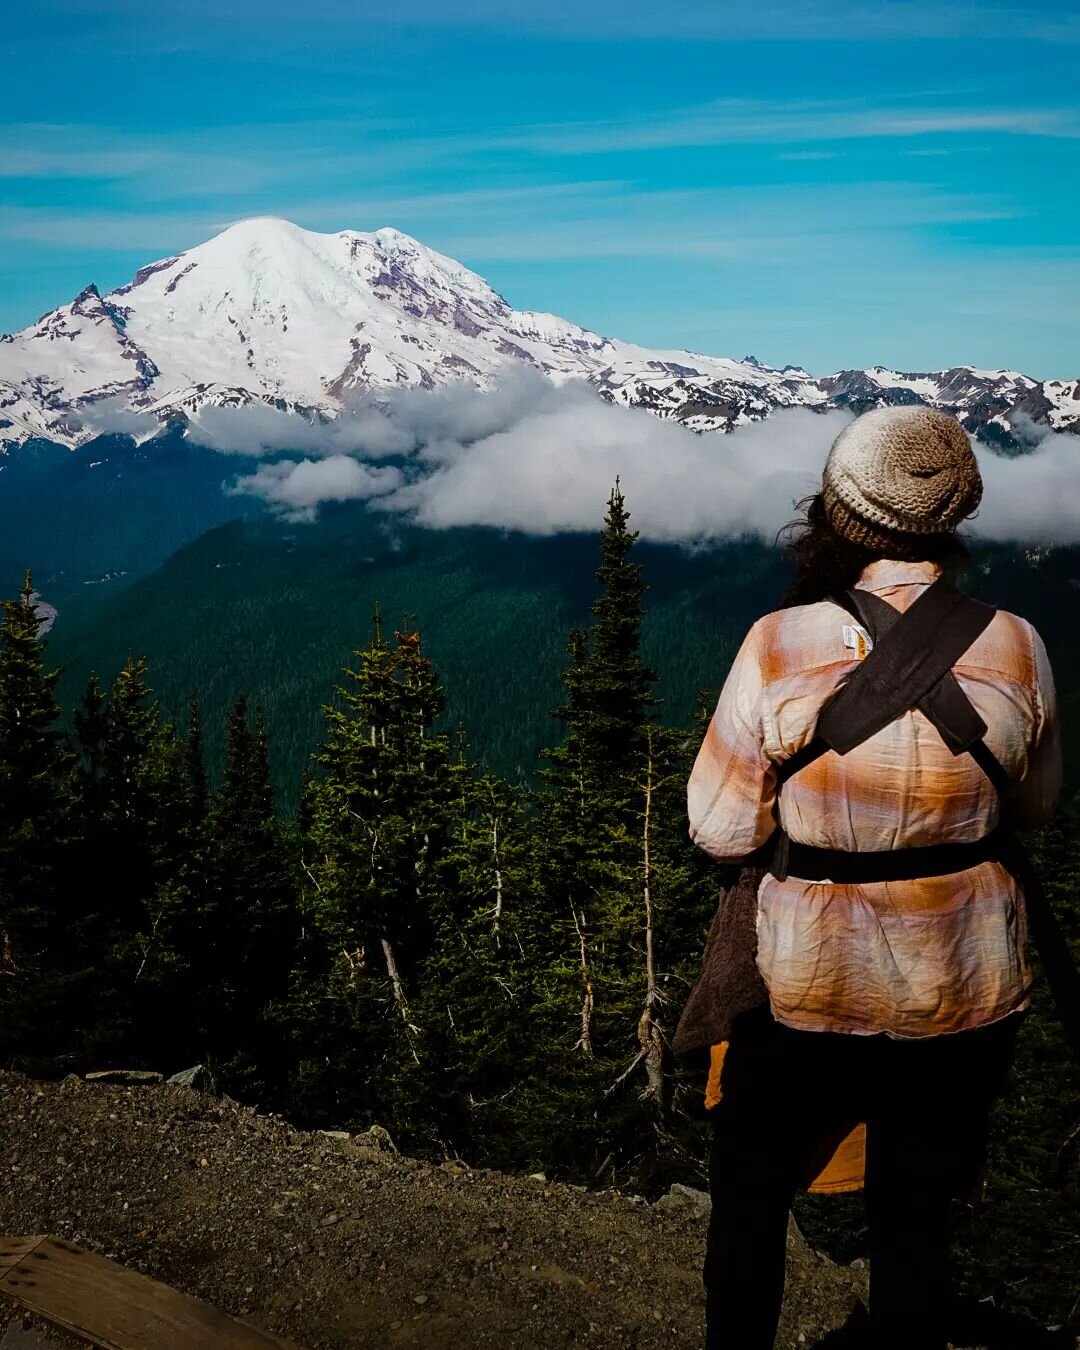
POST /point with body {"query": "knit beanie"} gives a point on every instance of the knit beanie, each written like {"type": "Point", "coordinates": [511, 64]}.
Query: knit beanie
{"type": "Point", "coordinates": [896, 475]}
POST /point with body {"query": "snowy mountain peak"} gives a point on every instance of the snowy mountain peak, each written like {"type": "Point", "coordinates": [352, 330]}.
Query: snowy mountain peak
{"type": "Point", "coordinates": [268, 311]}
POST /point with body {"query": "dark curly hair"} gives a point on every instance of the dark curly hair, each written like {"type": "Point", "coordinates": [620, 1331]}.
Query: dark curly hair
{"type": "Point", "coordinates": [826, 563]}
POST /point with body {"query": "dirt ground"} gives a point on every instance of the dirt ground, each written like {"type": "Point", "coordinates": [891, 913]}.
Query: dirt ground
{"type": "Point", "coordinates": [23, 1332]}
{"type": "Point", "coordinates": [341, 1243]}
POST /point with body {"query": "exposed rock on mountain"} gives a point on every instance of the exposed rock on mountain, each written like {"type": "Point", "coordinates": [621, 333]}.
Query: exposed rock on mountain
{"type": "Point", "coordinates": [306, 322]}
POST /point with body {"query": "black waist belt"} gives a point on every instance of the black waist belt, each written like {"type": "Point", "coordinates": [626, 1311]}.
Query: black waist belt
{"type": "Point", "coordinates": [899, 864]}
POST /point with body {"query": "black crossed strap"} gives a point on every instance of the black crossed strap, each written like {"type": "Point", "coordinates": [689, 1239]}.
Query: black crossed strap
{"type": "Point", "coordinates": [909, 666]}
{"type": "Point", "coordinates": [945, 705]}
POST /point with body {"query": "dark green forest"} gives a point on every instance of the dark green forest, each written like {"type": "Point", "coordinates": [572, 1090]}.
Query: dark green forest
{"type": "Point", "coordinates": [363, 897]}
{"type": "Point", "coordinates": [144, 554]}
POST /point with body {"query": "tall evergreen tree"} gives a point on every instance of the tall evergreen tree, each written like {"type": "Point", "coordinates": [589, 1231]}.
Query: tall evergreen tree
{"type": "Point", "coordinates": [378, 811]}
{"type": "Point", "coordinates": [474, 988]}
{"type": "Point", "coordinates": [198, 785]}
{"type": "Point", "coordinates": [136, 861]}
{"type": "Point", "coordinates": [243, 936]}
{"type": "Point", "coordinates": [620, 684]}
{"type": "Point", "coordinates": [35, 830]}
{"type": "Point", "coordinates": [619, 881]}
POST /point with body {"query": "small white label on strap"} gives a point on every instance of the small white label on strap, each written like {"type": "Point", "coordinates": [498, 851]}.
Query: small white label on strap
{"type": "Point", "coordinates": [857, 639]}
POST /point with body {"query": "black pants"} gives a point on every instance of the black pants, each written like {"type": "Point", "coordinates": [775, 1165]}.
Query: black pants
{"type": "Point", "coordinates": [926, 1105]}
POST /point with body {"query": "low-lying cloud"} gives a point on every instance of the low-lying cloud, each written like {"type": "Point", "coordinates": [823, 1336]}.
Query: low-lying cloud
{"type": "Point", "coordinates": [1034, 497]}
{"type": "Point", "coordinates": [398, 422]}
{"type": "Point", "coordinates": [541, 457]}
{"type": "Point", "coordinates": [552, 469]}
{"type": "Point", "coordinates": [112, 416]}
{"type": "Point", "coordinates": [300, 488]}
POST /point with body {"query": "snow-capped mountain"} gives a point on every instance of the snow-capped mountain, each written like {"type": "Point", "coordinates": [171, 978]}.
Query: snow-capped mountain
{"type": "Point", "coordinates": [269, 312]}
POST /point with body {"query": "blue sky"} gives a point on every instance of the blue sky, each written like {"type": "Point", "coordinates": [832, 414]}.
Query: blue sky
{"type": "Point", "coordinates": [824, 183]}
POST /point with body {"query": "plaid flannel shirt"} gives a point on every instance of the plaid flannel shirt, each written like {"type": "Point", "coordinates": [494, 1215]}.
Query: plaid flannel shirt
{"type": "Point", "coordinates": [908, 958]}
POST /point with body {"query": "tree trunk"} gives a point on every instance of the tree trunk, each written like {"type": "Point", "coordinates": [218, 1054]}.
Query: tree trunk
{"type": "Point", "coordinates": [399, 994]}
{"type": "Point", "coordinates": [495, 859]}
{"type": "Point", "coordinates": [585, 1041]}
{"type": "Point", "coordinates": [650, 1036]}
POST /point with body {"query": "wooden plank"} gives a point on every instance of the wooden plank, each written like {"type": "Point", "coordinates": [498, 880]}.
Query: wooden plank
{"type": "Point", "coordinates": [117, 1308]}
{"type": "Point", "coordinates": [12, 1250]}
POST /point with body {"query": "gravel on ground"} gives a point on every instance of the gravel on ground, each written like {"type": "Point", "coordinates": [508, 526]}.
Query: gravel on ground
{"type": "Point", "coordinates": [340, 1242]}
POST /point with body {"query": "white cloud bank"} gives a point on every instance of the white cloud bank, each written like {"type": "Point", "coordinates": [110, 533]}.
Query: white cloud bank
{"type": "Point", "coordinates": [1034, 497]}
{"type": "Point", "coordinates": [300, 488]}
{"type": "Point", "coordinates": [532, 456]}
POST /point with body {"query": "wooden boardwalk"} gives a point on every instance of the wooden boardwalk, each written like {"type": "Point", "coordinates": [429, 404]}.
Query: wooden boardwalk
{"type": "Point", "coordinates": [115, 1308]}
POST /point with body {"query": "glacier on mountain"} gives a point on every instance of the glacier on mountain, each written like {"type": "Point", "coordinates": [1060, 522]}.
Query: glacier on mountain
{"type": "Point", "coordinates": [269, 313]}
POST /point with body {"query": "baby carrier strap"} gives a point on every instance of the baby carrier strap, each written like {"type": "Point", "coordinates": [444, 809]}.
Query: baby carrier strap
{"type": "Point", "coordinates": [909, 666]}
{"type": "Point", "coordinates": [945, 706]}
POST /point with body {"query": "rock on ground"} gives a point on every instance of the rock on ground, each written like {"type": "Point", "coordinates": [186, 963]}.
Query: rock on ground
{"type": "Point", "coordinates": [336, 1243]}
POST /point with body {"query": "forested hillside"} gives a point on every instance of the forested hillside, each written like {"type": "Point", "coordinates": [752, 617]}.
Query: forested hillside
{"type": "Point", "coordinates": [274, 610]}
{"type": "Point", "coordinates": [489, 963]}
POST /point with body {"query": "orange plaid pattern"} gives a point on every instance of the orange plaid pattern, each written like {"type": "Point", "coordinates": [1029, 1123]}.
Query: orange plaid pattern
{"type": "Point", "coordinates": [910, 958]}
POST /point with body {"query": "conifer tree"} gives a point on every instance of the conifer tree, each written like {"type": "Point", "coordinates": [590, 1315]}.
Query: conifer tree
{"type": "Point", "coordinates": [136, 861]}
{"type": "Point", "coordinates": [619, 883]}
{"type": "Point", "coordinates": [620, 684]}
{"type": "Point", "coordinates": [165, 837]}
{"type": "Point", "coordinates": [35, 830]}
{"type": "Point", "coordinates": [475, 986]}
{"type": "Point", "coordinates": [242, 944]}
{"type": "Point", "coordinates": [198, 785]}
{"type": "Point", "coordinates": [92, 734]}
{"type": "Point", "coordinates": [378, 811]}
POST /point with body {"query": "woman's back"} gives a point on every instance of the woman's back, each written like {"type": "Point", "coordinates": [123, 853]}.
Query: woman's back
{"type": "Point", "coordinates": [910, 958]}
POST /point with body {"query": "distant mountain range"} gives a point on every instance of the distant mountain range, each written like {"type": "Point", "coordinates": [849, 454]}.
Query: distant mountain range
{"type": "Point", "coordinates": [268, 312]}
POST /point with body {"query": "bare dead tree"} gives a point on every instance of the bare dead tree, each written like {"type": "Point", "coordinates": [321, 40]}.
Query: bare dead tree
{"type": "Point", "coordinates": [396, 984]}
{"type": "Point", "coordinates": [310, 874]}
{"type": "Point", "coordinates": [147, 943]}
{"type": "Point", "coordinates": [496, 862]}
{"type": "Point", "coordinates": [650, 1035]}
{"type": "Point", "coordinates": [584, 1043]}
{"type": "Point", "coordinates": [8, 964]}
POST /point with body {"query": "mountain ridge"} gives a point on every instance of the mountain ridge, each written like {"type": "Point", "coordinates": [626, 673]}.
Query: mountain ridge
{"type": "Point", "coordinates": [267, 312]}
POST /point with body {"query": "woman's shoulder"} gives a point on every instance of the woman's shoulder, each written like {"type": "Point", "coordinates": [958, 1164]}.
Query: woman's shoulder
{"type": "Point", "coordinates": [796, 620]}
{"type": "Point", "coordinates": [1009, 645]}
{"type": "Point", "coordinates": [803, 637]}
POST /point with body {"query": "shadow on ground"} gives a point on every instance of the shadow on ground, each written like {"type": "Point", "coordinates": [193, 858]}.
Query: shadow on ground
{"type": "Point", "coordinates": [971, 1324]}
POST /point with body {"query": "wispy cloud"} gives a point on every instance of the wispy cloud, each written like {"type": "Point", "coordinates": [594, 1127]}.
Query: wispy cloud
{"type": "Point", "coordinates": [762, 222]}
{"type": "Point", "coordinates": [745, 122]}
{"type": "Point", "coordinates": [580, 220]}
{"type": "Point", "coordinates": [68, 228]}
{"type": "Point", "coordinates": [769, 20]}
{"type": "Point", "coordinates": [241, 159]}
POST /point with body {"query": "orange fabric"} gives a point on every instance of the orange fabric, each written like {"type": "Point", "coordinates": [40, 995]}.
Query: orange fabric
{"type": "Point", "coordinates": [716, 1065]}
{"type": "Point", "coordinates": [844, 1167]}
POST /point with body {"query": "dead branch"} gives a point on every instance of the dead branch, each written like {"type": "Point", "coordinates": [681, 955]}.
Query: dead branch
{"type": "Point", "coordinates": [399, 995]}
{"type": "Point", "coordinates": [625, 1073]}
{"type": "Point", "coordinates": [584, 1043]}
{"type": "Point", "coordinates": [650, 1037]}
